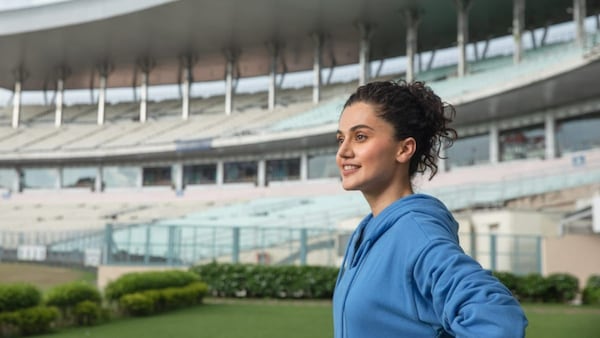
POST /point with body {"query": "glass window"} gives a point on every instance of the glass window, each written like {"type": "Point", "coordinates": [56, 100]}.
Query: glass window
{"type": "Point", "coordinates": [7, 178]}
{"type": "Point", "coordinates": [120, 177]}
{"type": "Point", "coordinates": [82, 177]}
{"type": "Point", "coordinates": [523, 143]}
{"type": "Point", "coordinates": [579, 133]}
{"type": "Point", "coordinates": [469, 151]}
{"type": "Point", "coordinates": [200, 174]}
{"type": "Point", "coordinates": [283, 170]}
{"type": "Point", "coordinates": [322, 166]}
{"type": "Point", "coordinates": [40, 178]}
{"type": "Point", "coordinates": [240, 172]}
{"type": "Point", "coordinates": [155, 176]}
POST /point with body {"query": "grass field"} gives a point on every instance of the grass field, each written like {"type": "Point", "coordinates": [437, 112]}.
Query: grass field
{"type": "Point", "coordinates": [267, 319]}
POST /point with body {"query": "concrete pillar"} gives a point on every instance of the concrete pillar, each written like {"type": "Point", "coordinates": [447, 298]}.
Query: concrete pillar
{"type": "Point", "coordinates": [463, 35]}
{"type": "Point", "coordinates": [230, 58]}
{"type": "Point", "coordinates": [579, 13]}
{"type": "Point", "coordinates": [304, 166]}
{"type": "Point", "coordinates": [177, 171]}
{"type": "Point", "coordinates": [442, 161]}
{"type": "Point", "coordinates": [318, 40]}
{"type": "Point", "coordinates": [16, 113]}
{"type": "Point", "coordinates": [363, 54]}
{"type": "Point", "coordinates": [550, 137]}
{"type": "Point", "coordinates": [185, 91]}
{"type": "Point", "coordinates": [59, 102]}
{"type": "Point", "coordinates": [494, 143]}
{"type": "Point", "coordinates": [274, 50]}
{"type": "Point", "coordinates": [518, 26]}
{"type": "Point", "coordinates": [98, 186]}
{"type": "Point", "coordinates": [412, 23]}
{"type": "Point", "coordinates": [18, 182]}
{"type": "Point", "coordinates": [261, 175]}
{"type": "Point", "coordinates": [144, 97]}
{"type": "Point", "coordinates": [140, 178]}
{"type": "Point", "coordinates": [59, 178]}
{"type": "Point", "coordinates": [101, 99]}
{"type": "Point", "coordinates": [220, 173]}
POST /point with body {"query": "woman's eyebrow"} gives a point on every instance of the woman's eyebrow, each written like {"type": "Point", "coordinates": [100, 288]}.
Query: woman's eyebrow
{"type": "Point", "coordinates": [354, 128]}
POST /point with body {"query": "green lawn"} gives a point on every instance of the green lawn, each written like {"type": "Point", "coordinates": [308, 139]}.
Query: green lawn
{"type": "Point", "coordinates": [272, 319]}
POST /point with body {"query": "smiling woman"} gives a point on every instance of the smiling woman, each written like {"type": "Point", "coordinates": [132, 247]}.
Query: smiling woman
{"type": "Point", "coordinates": [404, 273]}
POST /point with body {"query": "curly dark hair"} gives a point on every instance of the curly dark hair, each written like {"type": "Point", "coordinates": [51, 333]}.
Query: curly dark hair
{"type": "Point", "coordinates": [414, 110]}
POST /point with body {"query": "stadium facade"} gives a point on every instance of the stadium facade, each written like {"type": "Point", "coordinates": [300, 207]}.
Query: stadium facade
{"type": "Point", "coordinates": [527, 109]}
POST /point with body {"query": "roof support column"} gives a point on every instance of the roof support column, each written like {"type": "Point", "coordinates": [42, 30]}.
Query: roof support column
{"type": "Point", "coordinates": [20, 75]}
{"type": "Point", "coordinates": [550, 137]}
{"type": "Point", "coordinates": [261, 174]}
{"type": "Point", "coordinates": [145, 66]}
{"type": "Point", "coordinates": [98, 186]}
{"type": "Point", "coordinates": [103, 71]}
{"type": "Point", "coordinates": [412, 23]}
{"type": "Point", "coordinates": [220, 179]}
{"type": "Point", "coordinates": [318, 40]}
{"type": "Point", "coordinates": [518, 25]}
{"type": "Point", "coordinates": [494, 143]}
{"type": "Point", "coordinates": [304, 166]}
{"type": "Point", "coordinates": [231, 58]}
{"type": "Point", "coordinates": [60, 92]}
{"type": "Point", "coordinates": [16, 113]}
{"type": "Point", "coordinates": [579, 13]}
{"type": "Point", "coordinates": [187, 62]}
{"type": "Point", "coordinates": [177, 170]}
{"type": "Point", "coordinates": [274, 50]}
{"type": "Point", "coordinates": [363, 53]}
{"type": "Point", "coordinates": [463, 35]}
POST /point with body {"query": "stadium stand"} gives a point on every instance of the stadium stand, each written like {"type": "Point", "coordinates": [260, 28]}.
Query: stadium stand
{"type": "Point", "coordinates": [258, 180]}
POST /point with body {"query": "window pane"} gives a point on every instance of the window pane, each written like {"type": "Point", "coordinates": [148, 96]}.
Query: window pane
{"type": "Point", "coordinates": [7, 178]}
{"type": "Point", "coordinates": [523, 143]}
{"type": "Point", "coordinates": [200, 174]}
{"type": "Point", "coordinates": [120, 177]}
{"type": "Point", "coordinates": [322, 166]}
{"type": "Point", "coordinates": [82, 177]}
{"type": "Point", "coordinates": [283, 170]}
{"type": "Point", "coordinates": [157, 176]}
{"type": "Point", "coordinates": [40, 178]}
{"type": "Point", "coordinates": [468, 151]}
{"type": "Point", "coordinates": [578, 134]}
{"type": "Point", "coordinates": [240, 172]}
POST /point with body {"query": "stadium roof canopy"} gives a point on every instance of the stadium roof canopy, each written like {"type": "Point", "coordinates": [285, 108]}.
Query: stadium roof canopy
{"type": "Point", "coordinates": [76, 36]}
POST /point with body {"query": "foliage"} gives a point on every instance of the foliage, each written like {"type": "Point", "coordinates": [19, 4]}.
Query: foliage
{"type": "Point", "coordinates": [18, 296]}
{"type": "Point", "coordinates": [67, 296]}
{"type": "Point", "coordinates": [258, 281]}
{"type": "Point", "coordinates": [154, 301]}
{"type": "Point", "coordinates": [532, 288]}
{"type": "Point", "coordinates": [29, 321]}
{"type": "Point", "coordinates": [509, 279]}
{"type": "Point", "coordinates": [151, 280]}
{"type": "Point", "coordinates": [561, 288]}
{"type": "Point", "coordinates": [87, 313]}
{"type": "Point", "coordinates": [591, 292]}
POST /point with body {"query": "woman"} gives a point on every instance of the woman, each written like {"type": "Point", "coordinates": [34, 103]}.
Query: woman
{"type": "Point", "coordinates": [404, 273]}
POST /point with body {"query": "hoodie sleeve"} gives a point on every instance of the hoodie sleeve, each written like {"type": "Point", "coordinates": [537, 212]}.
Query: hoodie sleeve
{"type": "Point", "coordinates": [456, 291]}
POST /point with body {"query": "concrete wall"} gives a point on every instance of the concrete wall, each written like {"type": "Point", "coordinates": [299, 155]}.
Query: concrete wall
{"type": "Point", "coordinates": [575, 254]}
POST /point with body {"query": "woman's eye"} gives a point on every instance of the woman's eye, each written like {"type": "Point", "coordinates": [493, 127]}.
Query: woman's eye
{"type": "Point", "coordinates": [340, 140]}
{"type": "Point", "coordinates": [361, 137]}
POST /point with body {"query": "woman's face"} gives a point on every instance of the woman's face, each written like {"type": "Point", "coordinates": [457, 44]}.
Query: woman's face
{"type": "Point", "coordinates": [368, 151]}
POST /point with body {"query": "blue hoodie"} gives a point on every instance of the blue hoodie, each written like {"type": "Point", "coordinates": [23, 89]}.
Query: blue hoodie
{"type": "Point", "coordinates": [409, 277]}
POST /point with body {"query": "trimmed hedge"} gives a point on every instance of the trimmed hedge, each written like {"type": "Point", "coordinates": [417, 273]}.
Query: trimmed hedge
{"type": "Point", "coordinates": [18, 296]}
{"type": "Point", "coordinates": [150, 302]}
{"type": "Point", "coordinates": [259, 281]}
{"type": "Point", "coordinates": [67, 296]}
{"type": "Point", "coordinates": [555, 288]}
{"type": "Point", "coordinates": [591, 292]}
{"type": "Point", "coordinates": [152, 280]}
{"type": "Point", "coordinates": [29, 321]}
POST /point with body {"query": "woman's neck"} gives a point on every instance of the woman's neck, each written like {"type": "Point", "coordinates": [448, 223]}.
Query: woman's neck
{"type": "Point", "coordinates": [379, 201]}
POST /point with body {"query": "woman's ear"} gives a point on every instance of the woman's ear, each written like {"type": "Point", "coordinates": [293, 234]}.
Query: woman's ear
{"type": "Point", "coordinates": [406, 149]}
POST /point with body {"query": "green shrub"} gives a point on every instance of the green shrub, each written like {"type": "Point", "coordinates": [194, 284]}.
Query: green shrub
{"type": "Point", "coordinates": [87, 313]}
{"type": "Point", "coordinates": [18, 296]}
{"type": "Point", "coordinates": [532, 288]}
{"type": "Point", "coordinates": [151, 280]}
{"type": "Point", "coordinates": [67, 296]}
{"type": "Point", "coordinates": [257, 281]}
{"type": "Point", "coordinates": [37, 319]}
{"type": "Point", "coordinates": [509, 279]}
{"type": "Point", "coordinates": [561, 288]}
{"type": "Point", "coordinates": [591, 292]}
{"type": "Point", "coordinates": [137, 304]}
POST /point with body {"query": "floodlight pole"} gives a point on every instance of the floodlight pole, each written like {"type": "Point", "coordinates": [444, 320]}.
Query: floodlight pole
{"type": "Point", "coordinates": [363, 53]}
{"type": "Point", "coordinates": [318, 41]}
{"type": "Point", "coordinates": [463, 35]}
{"type": "Point", "coordinates": [579, 13]}
{"type": "Point", "coordinates": [518, 24]}
{"type": "Point", "coordinates": [274, 50]}
{"type": "Point", "coordinates": [412, 23]}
